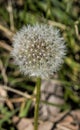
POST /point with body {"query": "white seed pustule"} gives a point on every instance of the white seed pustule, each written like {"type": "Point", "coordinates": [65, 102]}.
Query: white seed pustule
{"type": "Point", "coordinates": [39, 50]}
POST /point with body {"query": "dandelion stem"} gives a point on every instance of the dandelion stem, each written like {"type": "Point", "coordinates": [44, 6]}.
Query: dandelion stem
{"type": "Point", "coordinates": [38, 86]}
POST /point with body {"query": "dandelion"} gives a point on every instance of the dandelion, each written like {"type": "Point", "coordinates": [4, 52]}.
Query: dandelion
{"type": "Point", "coordinates": [38, 50]}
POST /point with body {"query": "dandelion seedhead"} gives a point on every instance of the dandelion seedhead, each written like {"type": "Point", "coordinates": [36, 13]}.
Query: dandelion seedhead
{"type": "Point", "coordinates": [39, 50]}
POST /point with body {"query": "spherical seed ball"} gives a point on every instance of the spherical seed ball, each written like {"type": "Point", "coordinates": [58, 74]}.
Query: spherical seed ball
{"type": "Point", "coordinates": [39, 50]}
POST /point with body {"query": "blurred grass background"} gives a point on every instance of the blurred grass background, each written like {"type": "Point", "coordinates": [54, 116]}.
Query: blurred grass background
{"type": "Point", "coordinates": [63, 14]}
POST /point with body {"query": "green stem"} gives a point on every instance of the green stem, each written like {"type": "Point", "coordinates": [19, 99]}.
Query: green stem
{"type": "Point", "coordinates": [38, 86]}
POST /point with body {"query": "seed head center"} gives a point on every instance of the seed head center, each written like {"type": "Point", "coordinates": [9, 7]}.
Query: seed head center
{"type": "Point", "coordinates": [37, 52]}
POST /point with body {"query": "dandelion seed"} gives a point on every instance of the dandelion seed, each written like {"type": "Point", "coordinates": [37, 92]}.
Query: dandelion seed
{"type": "Point", "coordinates": [38, 50]}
